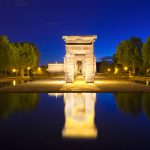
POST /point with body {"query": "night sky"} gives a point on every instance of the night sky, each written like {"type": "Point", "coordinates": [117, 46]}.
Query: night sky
{"type": "Point", "coordinates": [44, 22]}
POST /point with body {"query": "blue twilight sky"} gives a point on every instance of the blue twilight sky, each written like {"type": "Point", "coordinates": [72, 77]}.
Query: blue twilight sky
{"type": "Point", "coordinates": [44, 22]}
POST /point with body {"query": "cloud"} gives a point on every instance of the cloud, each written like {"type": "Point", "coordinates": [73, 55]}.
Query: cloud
{"type": "Point", "coordinates": [20, 3]}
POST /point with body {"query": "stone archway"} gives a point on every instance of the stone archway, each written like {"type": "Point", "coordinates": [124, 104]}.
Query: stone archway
{"type": "Point", "coordinates": [79, 58]}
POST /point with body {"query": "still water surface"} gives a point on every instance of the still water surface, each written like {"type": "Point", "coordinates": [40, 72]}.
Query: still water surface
{"type": "Point", "coordinates": [12, 82]}
{"type": "Point", "coordinates": [74, 121]}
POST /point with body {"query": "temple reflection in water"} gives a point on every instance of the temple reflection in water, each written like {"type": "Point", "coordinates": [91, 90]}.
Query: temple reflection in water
{"type": "Point", "coordinates": [79, 115]}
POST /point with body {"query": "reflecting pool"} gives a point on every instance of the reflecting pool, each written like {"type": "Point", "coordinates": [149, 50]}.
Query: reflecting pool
{"type": "Point", "coordinates": [12, 82]}
{"type": "Point", "coordinates": [74, 121]}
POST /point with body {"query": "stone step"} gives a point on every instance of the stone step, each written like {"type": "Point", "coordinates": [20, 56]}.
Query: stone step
{"type": "Point", "coordinates": [79, 78]}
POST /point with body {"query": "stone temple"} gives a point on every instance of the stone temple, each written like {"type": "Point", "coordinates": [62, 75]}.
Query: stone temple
{"type": "Point", "coordinates": [79, 59]}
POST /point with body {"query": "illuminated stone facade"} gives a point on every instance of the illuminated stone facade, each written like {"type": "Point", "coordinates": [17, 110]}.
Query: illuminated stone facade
{"type": "Point", "coordinates": [79, 58]}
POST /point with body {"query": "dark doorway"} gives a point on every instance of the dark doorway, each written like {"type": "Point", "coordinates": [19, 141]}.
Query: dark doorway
{"type": "Point", "coordinates": [79, 68]}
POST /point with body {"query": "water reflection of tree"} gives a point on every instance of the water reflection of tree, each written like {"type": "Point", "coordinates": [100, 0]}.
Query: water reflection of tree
{"type": "Point", "coordinates": [130, 103]}
{"type": "Point", "coordinates": [133, 103]}
{"type": "Point", "coordinates": [17, 102]}
{"type": "Point", "coordinates": [146, 104]}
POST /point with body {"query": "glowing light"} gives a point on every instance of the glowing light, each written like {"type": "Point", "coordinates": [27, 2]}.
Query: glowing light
{"type": "Point", "coordinates": [108, 69]}
{"type": "Point", "coordinates": [39, 69]}
{"type": "Point", "coordinates": [29, 68]}
{"type": "Point", "coordinates": [125, 68]}
{"type": "Point", "coordinates": [14, 70]}
{"type": "Point", "coordinates": [106, 82]}
{"type": "Point", "coordinates": [14, 82]}
{"type": "Point", "coordinates": [147, 82]}
{"type": "Point", "coordinates": [116, 70]}
{"type": "Point", "coordinates": [56, 94]}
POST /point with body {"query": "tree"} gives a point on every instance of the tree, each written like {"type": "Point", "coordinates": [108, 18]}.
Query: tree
{"type": "Point", "coordinates": [146, 53]}
{"type": "Point", "coordinates": [104, 65]}
{"type": "Point", "coordinates": [17, 55]}
{"type": "Point", "coordinates": [136, 52]}
{"type": "Point", "coordinates": [10, 103]}
{"type": "Point", "coordinates": [129, 53]}
{"type": "Point", "coordinates": [146, 104]}
{"type": "Point", "coordinates": [25, 56]}
{"type": "Point", "coordinates": [5, 53]}
{"type": "Point", "coordinates": [130, 103]}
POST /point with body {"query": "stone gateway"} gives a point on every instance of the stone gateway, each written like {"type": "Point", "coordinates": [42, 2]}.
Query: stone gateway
{"type": "Point", "coordinates": [79, 59]}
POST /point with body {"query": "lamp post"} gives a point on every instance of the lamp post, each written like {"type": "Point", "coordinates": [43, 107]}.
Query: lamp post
{"type": "Point", "coordinates": [109, 70]}
{"type": "Point", "coordinates": [126, 68]}
{"type": "Point", "coordinates": [28, 71]}
{"type": "Point", "coordinates": [14, 71]}
{"type": "Point", "coordinates": [116, 70]}
{"type": "Point", "coordinates": [39, 69]}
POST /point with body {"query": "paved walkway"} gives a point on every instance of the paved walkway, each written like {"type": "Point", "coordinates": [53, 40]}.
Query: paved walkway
{"type": "Point", "coordinates": [59, 85]}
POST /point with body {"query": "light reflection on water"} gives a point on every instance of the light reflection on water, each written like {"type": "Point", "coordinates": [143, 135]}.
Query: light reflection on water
{"type": "Point", "coordinates": [79, 115]}
{"type": "Point", "coordinates": [12, 82]}
{"type": "Point", "coordinates": [105, 119]}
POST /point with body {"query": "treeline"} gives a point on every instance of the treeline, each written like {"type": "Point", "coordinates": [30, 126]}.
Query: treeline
{"type": "Point", "coordinates": [19, 57]}
{"type": "Point", "coordinates": [132, 56]}
{"type": "Point", "coordinates": [133, 103]}
{"type": "Point", "coordinates": [17, 102]}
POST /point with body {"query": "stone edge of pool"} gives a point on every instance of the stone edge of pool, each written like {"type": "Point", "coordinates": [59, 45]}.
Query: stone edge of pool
{"type": "Point", "coordinates": [53, 86]}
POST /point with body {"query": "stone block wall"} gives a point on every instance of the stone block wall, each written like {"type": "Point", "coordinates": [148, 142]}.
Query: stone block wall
{"type": "Point", "coordinates": [57, 68]}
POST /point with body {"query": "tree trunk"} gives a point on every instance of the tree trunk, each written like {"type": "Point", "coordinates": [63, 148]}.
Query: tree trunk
{"type": "Point", "coordinates": [22, 72]}
{"type": "Point", "coordinates": [133, 70]}
{"type": "Point", "coordinates": [5, 72]}
{"type": "Point", "coordinates": [28, 72]}
{"type": "Point", "coordinates": [16, 73]}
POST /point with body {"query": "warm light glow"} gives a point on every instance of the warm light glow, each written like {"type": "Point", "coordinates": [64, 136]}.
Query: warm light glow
{"type": "Point", "coordinates": [116, 70]}
{"type": "Point", "coordinates": [108, 69]}
{"type": "Point", "coordinates": [79, 115]}
{"type": "Point", "coordinates": [14, 70]}
{"type": "Point", "coordinates": [14, 82]}
{"type": "Point", "coordinates": [106, 82]}
{"type": "Point", "coordinates": [39, 69]}
{"type": "Point", "coordinates": [55, 82]}
{"type": "Point", "coordinates": [29, 68]}
{"type": "Point", "coordinates": [125, 68]}
{"type": "Point", "coordinates": [55, 94]}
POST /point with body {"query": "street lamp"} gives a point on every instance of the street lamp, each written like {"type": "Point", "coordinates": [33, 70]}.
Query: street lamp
{"type": "Point", "coordinates": [29, 68]}
{"type": "Point", "coordinates": [39, 69]}
{"type": "Point", "coordinates": [116, 70]}
{"type": "Point", "coordinates": [125, 68]}
{"type": "Point", "coordinates": [14, 70]}
{"type": "Point", "coordinates": [28, 71]}
{"type": "Point", "coordinates": [108, 69]}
